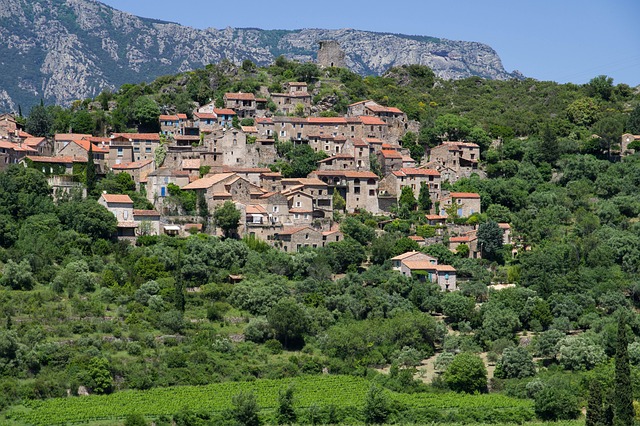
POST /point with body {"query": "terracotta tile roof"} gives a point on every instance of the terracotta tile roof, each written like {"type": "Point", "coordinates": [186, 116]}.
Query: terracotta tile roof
{"type": "Point", "coordinates": [182, 116]}
{"type": "Point", "coordinates": [69, 136]}
{"type": "Point", "coordinates": [272, 174]}
{"type": "Point", "coordinates": [300, 210]}
{"type": "Point", "coordinates": [462, 239]}
{"type": "Point", "coordinates": [191, 138]}
{"type": "Point", "coordinates": [409, 171]}
{"type": "Point", "coordinates": [19, 148]}
{"type": "Point", "coordinates": [416, 238]}
{"type": "Point", "coordinates": [360, 102]}
{"type": "Point", "coordinates": [290, 120]}
{"type": "Point", "coordinates": [33, 141]}
{"type": "Point", "coordinates": [249, 129]}
{"type": "Point", "coordinates": [240, 96]}
{"type": "Point", "coordinates": [127, 225]}
{"type": "Point", "coordinates": [191, 163]}
{"type": "Point", "coordinates": [247, 169]}
{"type": "Point", "coordinates": [256, 209]}
{"type": "Point", "coordinates": [435, 217]}
{"type": "Point", "coordinates": [145, 213]}
{"type": "Point", "coordinates": [408, 255]}
{"type": "Point", "coordinates": [263, 120]}
{"type": "Point", "coordinates": [304, 181]}
{"type": "Point", "coordinates": [374, 140]}
{"type": "Point", "coordinates": [131, 166]}
{"type": "Point", "coordinates": [504, 226]}
{"type": "Point", "coordinates": [205, 115]}
{"type": "Point", "coordinates": [419, 264]}
{"type": "Point", "coordinates": [117, 198]}
{"type": "Point", "coordinates": [85, 144]}
{"type": "Point", "coordinates": [388, 153]}
{"type": "Point", "coordinates": [338, 157]}
{"type": "Point", "coordinates": [58, 160]}
{"type": "Point", "coordinates": [295, 229]}
{"type": "Point", "coordinates": [327, 120]}
{"type": "Point", "coordinates": [371, 121]}
{"type": "Point", "coordinates": [379, 108]}
{"type": "Point", "coordinates": [464, 195]}
{"type": "Point", "coordinates": [209, 180]}
{"type": "Point", "coordinates": [445, 268]}
{"type": "Point", "coordinates": [139, 136]}
{"type": "Point", "coordinates": [168, 118]}
{"type": "Point", "coordinates": [359, 142]}
{"type": "Point", "coordinates": [224, 111]}
{"type": "Point", "coordinates": [23, 134]}
{"type": "Point", "coordinates": [346, 173]}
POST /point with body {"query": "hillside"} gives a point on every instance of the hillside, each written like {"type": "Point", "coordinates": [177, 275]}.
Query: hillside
{"type": "Point", "coordinates": [63, 50]}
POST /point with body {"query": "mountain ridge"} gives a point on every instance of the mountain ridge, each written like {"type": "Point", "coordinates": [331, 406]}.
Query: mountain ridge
{"type": "Point", "coordinates": [63, 50]}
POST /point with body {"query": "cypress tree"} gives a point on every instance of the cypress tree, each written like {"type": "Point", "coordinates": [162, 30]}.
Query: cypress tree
{"type": "Point", "coordinates": [623, 412]}
{"type": "Point", "coordinates": [90, 171]}
{"type": "Point", "coordinates": [594, 405]}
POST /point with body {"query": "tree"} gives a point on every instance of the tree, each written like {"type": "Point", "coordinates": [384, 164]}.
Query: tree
{"type": "Point", "coordinates": [594, 405]}
{"type": "Point", "coordinates": [352, 227]}
{"type": "Point", "coordinates": [515, 363]}
{"type": "Point", "coordinates": [376, 406]}
{"type": "Point", "coordinates": [601, 86]}
{"type": "Point", "coordinates": [424, 198]}
{"type": "Point", "coordinates": [83, 122]}
{"type": "Point", "coordinates": [633, 123]}
{"type": "Point", "coordinates": [289, 321]}
{"type": "Point", "coordinates": [339, 202]}
{"type": "Point", "coordinates": [579, 353]}
{"type": "Point", "coordinates": [135, 420]}
{"type": "Point", "coordinates": [457, 307]}
{"type": "Point", "coordinates": [99, 375]}
{"type": "Point", "coordinates": [90, 172]}
{"type": "Point", "coordinates": [146, 112]}
{"type": "Point", "coordinates": [490, 239]}
{"type": "Point", "coordinates": [39, 122]}
{"type": "Point", "coordinates": [623, 412]}
{"type": "Point", "coordinates": [555, 402]}
{"type": "Point", "coordinates": [407, 200]}
{"type": "Point", "coordinates": [245, 409]}
{"type": "Point", "coordinates": [466, 373]}
{"type": "Point", "coordinates": [286, 413]}
{"type": "Point", "coordinates": [17, 276]}
{"type": "Point", "coordinates": [609, 129]}
{"type": "Point", "coordinates": [227, 217]}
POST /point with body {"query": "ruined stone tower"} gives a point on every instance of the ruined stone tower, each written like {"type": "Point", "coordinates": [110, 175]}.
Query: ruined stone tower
{"type": "Point", "coordinates": [331, 55]}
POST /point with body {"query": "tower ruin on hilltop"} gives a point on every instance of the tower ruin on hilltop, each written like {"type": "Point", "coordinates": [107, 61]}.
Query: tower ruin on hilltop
{"type": "Point", "coordinates": [331, 55]}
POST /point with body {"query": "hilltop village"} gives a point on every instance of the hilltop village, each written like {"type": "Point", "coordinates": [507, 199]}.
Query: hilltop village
{"type": "Point", "coordinates": [223, 153]}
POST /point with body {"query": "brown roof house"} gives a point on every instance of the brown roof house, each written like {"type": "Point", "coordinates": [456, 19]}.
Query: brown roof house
{"type": "Point", "coordinates": [244, 104]}
{"type": "Point", "coordinates": [359, 189]}
{"type": "Point", "coordinates": [122, 208]}
{"type": "Point", "coordinates": [425, 268]}
{"type": "Point", "coordinates": [466, 204]}
{"type": "Point", "coordinates": [293, 239]}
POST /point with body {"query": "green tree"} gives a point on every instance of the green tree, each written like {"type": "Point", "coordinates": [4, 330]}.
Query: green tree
{"type": "Point", "coordinates": [245, 409]}
{"type": "Point", "coordinates": [352, 227]}
{"type": "Point", "coordinates": [17, 276]}
{"type": "Point", "coordinates": [466, 373]}
{"type": "Point", "coordinates": [376, 406]}
{"type": "Point", "coordinates": [515, 363]}
{"type": "Point", "coordinates": [490, 240]}
{"type": "Point", "coordinates": [594, 405]}
{"type": "Point", "coordinates": [83, 122]}
{"type": "Point", "coordinates": [601, 86]}
{"type": "Point", "coordinates": [555, 402]}
{"type": "Point", "coordinates": [339, 203]}
{"type": "Point", "coordinates": [609, 129]}
{"type": "Point", "coordinates": [100, 376]}
{"type": "Point", "coordinates": [90, 176]}
{"type": "Point", "coordinates": [633, 122]}
{"type": "Point", "coordinates": [135, 420]}
{"type": "Point", "coordinates": [227, 217]}
{"type": "Point", "coordinates": [289, 321]}
{"type": "Point", "coordinates": [407, 200]}
{"type": "Point", "coordinates": [286, 413]}
{"type": "Point", "coordinates": [146, 112]}
{"type": "Point", "coordinates": [39, 122]}
{"type": "Point", "coordinates": [424, 198]}
{"type": "Point", "coordinates": [623, 412]}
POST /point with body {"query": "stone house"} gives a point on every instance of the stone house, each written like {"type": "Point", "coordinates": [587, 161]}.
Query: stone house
{"type": "Point", "coordinates": [390, 160]}
{"type": "Point", "coordinates": [333, 235]}
{"type": "Point", "coordinates": [296, 94]}
{"type": "Point", "coordinates": [271, 181]}
{"type": "Point", "coordinates": [331, 145]}
{"type": "Point", "coordinates": [470, 239]}
{"type": "Point", "coordinates": [359, 148]}
{"type": "Point", "coordinates": [277, 206]}
{"type": "Point", "coordinates": [265, 127]}
{"type": "Point", "coordinates": [224, 116]}
{"type": "Point", "coordinates": [462, 157]}
{"type": "Point", "coordinates": [319, 192]}
{"type": "Point", "coordinates": [159, 180]}
{"type": "Point", "coordinates": [393, 182]}
{"type": "Point", "coordinates": [330, 54]}
{"type": "Point", "coordinates": [206, 122]}
{"type": "Point", "coordinates": [63, 173]}
{"type": "Point", "coordinates": [625, 140]}
{"type": "Point", "coordinates": [338, 162]}
{"type": "Point", "coordinates": [80, 148]}
{"type": "Point", "coordinates": [293, 239]}
{"type": "Point", "coordinates": [395, 118]}
{"type": "Point", "coordinates": [148, 222]}
{"type": "Point", "coordinates": [425, 268]}
{"type": "Point", "coordinates": [170, 125]}
{"type": "Point", "coordinates": [220, 187]}
{"type": "Point", "coordinates": [506, 233]}
{"type": "Point", "coordinates": [121, 206]}
{"type": "Point", "coordinates": [12, 153]}
{"type": "Point", "coordinates": [244, 104]}
{"type": "Point", "coordinates": [138, 170]}
{"type": "Point", "coordinates": [294, 129]}
{"type": "Point", "coordinates": [42, 145]}
{"type": "Point", "coordinates": [467, 203]}
{"type": "Point", "coordinates": [61, 140]}
{"type": "Point", "coordinates": [358, 188]}
{"type": "Point", "coordinates": [143, 145]}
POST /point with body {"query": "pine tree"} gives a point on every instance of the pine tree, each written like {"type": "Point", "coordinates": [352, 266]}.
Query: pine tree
{"type": "Point", "coordinates": [424, 198]}
{"type": "Point", "coordinates": [623, 412]}
{"type": "Point", "coordinates": [594, 405]}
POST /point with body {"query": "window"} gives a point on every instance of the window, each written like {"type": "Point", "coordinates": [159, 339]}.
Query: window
{"type": "Point", "coordinates": [372, 192]}
{"type": "Point", "coordinates": [306, 236]}
{"type": "Point", "coordinates": [356, 190]}
{"type": "Point", "coordinates": [120, 153]}
{"type": "Point", "coordinates": [298, 203]}
{"type": "Point", "coordinates": [147, 150]}
{"type": "Point", "coordinates": [275, 209]}
{"type": "Point", "coordinates": [296, 216]}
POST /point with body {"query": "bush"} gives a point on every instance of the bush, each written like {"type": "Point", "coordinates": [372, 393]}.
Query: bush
{"type": "Point", "coordinates": [516, 363]}
{"type": "Point", "coordinates": [135, 420]}
{"type": "Point", "coordinates": [466, 373]}
{"type": "Point", "coordinates": [555, 403]}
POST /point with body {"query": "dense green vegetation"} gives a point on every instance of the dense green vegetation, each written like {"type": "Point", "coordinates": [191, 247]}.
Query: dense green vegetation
{"type": "Point", "coordinates": [84, 311]}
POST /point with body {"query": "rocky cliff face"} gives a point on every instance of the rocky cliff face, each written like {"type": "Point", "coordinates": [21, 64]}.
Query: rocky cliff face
{"type": "Point", "coordinates": [62, 50]}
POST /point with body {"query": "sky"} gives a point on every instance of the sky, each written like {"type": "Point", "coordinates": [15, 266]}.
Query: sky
{"type": "Point", "coordinates": [558, 40]}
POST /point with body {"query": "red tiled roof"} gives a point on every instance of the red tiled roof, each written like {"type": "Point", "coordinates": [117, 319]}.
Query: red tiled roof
{"type": "Point", "coordinates": [263, 120]}
{"type": "Point", "coordinates": [463, 239]}
{"type": "Point", "coordinates": [168, 118]}
{"type": "Point", "coordinates": [117, 198]}
{"type": "Point", "coordinates": [464, 195]}
{"type": "Point", "coordinates": [139, 136]}
{"type": "Point", "coordinates": [410, 171]}
{"type": "Point", "coordinates": [205, 115]}
{"type": "Point", "coordinates": [85, 144]}
{"type": "Point", "coordinates": [419, 264]}
{"type": "Point", "coordinates": [59, 160]}
{"type": "Point", "coordinates": [208, 181]}
{"type": "Point", "coordinates": [240, 96]}
{"type": "Point", "coordinates": [191, 163]}
{"type": "Point", "coordinates": [132, 165]}
{"type": "Point", "coordinates": [69, 136]}
{"type": "Point", "coordinates": [371, 121]}
{"type": "Point", "coordinates": [182, 116]}
{"type": "Point", "coordinates": [295, 229]}
{"type": "Point", "coordinates": [504, 226]}
{"type": "Point", "coordinates": [33, 141]}
{"type": "Point", "coordinates": [445, 268]}
{"type": "Point", "coordinates": [145, 213]}
{"type": "Point", "coordinates": [255, 209]}
{"type": "Point", "coordinates": [435, 217]}
{"type": "Point", "coordinates": [327, 120]}
{"type": "Point", "coordinates": [346, 173]}
{"type": "Point", "coordinates": [388, 153]}
{"type": "Point", "coordinates": [224, 111]}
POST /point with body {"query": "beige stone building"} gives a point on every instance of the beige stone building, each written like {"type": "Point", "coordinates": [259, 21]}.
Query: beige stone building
{"type": "Point", "coordinates": [138, 170]}
{"type": "Point", "coordinates": [244, 104]}
{"type": "Point", "coordinates": [467, 203]}
{"type": "Point", "coordinates": [425, 268]}
{"type": "Point", "coordinates": [159, 180]}
{"type": "Point", "coordinates": [293, 239]}
{"type": "Point", "coordinates": [359, 189]}
{"type": "Point", "coordinates": [461, 157]}
{"type": "Point", "coordinates": [80, 148]}
{"type": "Point", "coordinates": [296, 94]}
{"type": "Point", "coordinates": [393, 182]}
{"type": "Point", "coordinates": [625, 140]}
{"type": "Point", "coordinates": [121, 206]}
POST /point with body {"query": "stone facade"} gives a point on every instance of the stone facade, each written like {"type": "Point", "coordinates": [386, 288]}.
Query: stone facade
{"type": "Point", "coordinates": [331, 55]}
{"type": "Point", "coordinates": [468, 203]}
{"type": "Point", "coordinates": [359, 189]}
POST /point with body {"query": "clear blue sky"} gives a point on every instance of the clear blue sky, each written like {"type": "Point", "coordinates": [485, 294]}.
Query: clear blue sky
{"type": "Point", "coordinates": [559, 40]}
